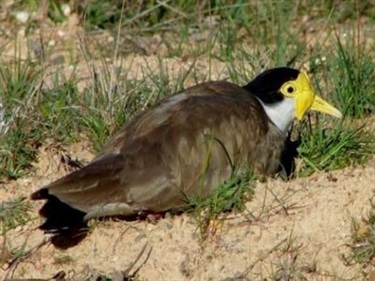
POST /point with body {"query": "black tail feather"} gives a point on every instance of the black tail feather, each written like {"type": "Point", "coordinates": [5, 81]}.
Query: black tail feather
{"type": "Point", "coordinates": [40, 194]}
{"type": "Point", "coordinates": [66, 224]}
{"type": "Point", "coordinates": [59, 215]}
{"type": "Point", "coordinates": [288, 158]}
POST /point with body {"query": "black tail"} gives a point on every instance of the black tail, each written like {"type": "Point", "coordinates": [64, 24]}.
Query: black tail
{"type": "Point", "coordinates": [65, 223]}
{"type": "Point", "coordinates": [40, 194]}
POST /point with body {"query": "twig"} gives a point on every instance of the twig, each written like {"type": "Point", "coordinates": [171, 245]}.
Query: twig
{"type": "Point", "coordinates": [127, 271]}
{"type": "Point", "coordinates": [13, 264]}
{"type": "Point", "coordinates": [250, 268]}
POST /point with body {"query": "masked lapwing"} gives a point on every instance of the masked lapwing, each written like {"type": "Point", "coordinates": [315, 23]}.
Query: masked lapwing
{"type": "Point", "coordinates": [186, 146]}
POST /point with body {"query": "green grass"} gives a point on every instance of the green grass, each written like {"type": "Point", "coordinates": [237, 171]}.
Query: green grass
{"type": "Point", "coordinates": [290, 265]}
{"type": "Point", "coordinates": [362, 240]}
{"type": "Point", "coordinates": [344, 76]}
{"type": "Point", "coordinates": [33, 113]}
{"type": "Point", "coordinates": [230, 196]}
{"type": "Point", "coordinates": [348, 72]}
{"type": "Point", "coordinates": [327, 149]}
{"type": "Point", "coordinates": [14, 213]}
{"type": "Point", "coordinates": [355, 89]}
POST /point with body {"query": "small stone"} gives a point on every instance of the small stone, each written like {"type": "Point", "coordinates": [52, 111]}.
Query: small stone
{"type": "Point", "coordinates": [140, 237]}
{"type": "Point", "coordinates": [65, 8]}
{"type": "Point", "coordinates": [22, 16]}
{"type": "Point", "coordinates": [61, 33]}
{"type": "Point", "coordinates": [18, 228]}
{"type": "Point", "coordinates": [51, 43]}
{"type": "Point", "coordinates": [21, 33]}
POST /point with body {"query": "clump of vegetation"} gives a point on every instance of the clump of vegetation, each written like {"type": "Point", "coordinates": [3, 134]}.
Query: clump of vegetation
{"type": "Point", "coordinates": [14, 213]}
{"type": "Point", "coordinates": [327, 149]}
{"type": "Point", "coordinates": [231, 196]}
{"type": "Point", "coordinates": [289, 265]}
{"type": "Point", "coordinates": [362, 242]}
{"type": "Point", "coordinates": [354, 78]}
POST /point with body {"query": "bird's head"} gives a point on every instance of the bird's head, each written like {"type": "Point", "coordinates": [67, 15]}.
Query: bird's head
{"type": "Point", "coordinates": [281, 84]}
{"type": "Point", "coordinates": [290, 89]}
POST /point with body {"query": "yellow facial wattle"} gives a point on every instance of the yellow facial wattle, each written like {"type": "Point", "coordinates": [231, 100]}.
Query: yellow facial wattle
{"type": "Point", "coordinates": [306, 98]}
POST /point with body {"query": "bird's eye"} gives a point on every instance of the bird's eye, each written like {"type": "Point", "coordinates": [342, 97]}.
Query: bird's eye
{"type": "Point", "coordinates": [290, 89]}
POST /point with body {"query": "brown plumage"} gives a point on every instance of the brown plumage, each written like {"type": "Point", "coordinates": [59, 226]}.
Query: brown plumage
{"type": "Point", "coordinates": [185, 146]}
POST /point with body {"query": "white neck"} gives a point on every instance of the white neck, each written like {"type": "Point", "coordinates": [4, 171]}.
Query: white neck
{"type": "Point", "coordinates": [281, 114]}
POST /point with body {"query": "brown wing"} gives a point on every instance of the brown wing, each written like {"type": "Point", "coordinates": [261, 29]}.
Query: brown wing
{"type": "Point", "coordinates": [185, 146]}
{"type": "Point", "coordinates": [213, 88]}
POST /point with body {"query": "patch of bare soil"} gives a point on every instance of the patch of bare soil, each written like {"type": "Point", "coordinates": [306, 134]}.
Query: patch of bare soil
{"type": "Point", "coordinates": [298, 227]}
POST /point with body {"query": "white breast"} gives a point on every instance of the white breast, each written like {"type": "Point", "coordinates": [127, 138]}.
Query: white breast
{"type": "Point", "coordinates": [281, 114]}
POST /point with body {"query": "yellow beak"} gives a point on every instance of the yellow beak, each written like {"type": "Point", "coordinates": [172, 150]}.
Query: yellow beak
{"type": "Point", "coordinates": [306, 99]}
{"type": "Point", "coordinates": [322, 106]}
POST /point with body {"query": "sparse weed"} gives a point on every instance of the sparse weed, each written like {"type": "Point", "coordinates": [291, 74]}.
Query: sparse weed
{"type": "Point", "coordinates": [290, 267]}
{"type": "Point", "coordinates": [324, 149]}
{"type": "Point", "coordinates": [18, 252]}
{"type": "Point", "coordinates": [353, 73]}
{"type": "Point", "coordinates": [342, 65]}
{"type": "Point", "coordinates": [348, 74]}
{"type": "Point", "coordinates": [63, 260]}
{"type": "Point", "coordinates": [362, 243]}
{"type": "Point", "coordinates": [14, 213]}
{"type": "Point", "coordinates": [228, 197]}
{"type": "Point", "coordinates": [19, 83]}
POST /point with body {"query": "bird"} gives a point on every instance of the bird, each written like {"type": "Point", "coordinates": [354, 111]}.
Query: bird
{"type": "Point", "coordinates": [186, 146]}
